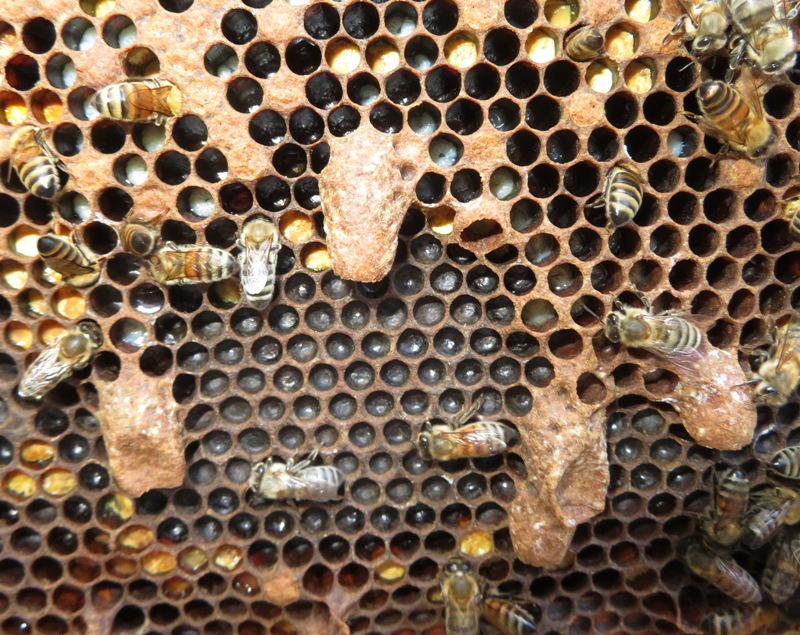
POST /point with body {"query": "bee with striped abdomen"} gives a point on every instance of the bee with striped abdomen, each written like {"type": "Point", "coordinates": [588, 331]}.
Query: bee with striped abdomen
{"type": "Point", "coordinates": [733, 114]}
{"type": "Point", "coordinates": [70, 352]}
{"type": "Point", "coordinates": [145, 100]}
{"type": "Point", "coordinates": [67, 258]}
{"type": "Point", "coordinates": [623, 191]}
{"type": "Point", "coordinates": [745, 621]}
{"type": "Point", "coordinates": [140, 237]}
{"type": "Point", "coordinates": [584, 44]}
{"type": "Point", "coordinates": [667, 335]}
{"type": "Point", "coordinates": [467, 598]}
{"type": "Point", "coordinates": [190, 264]}
{"type": "Point", "coordinates": [766, 517]}
{"type": "Point", "coordinates": [722, 521]}
{"type": "Point", "coordinates": [764, 34]}
{"type": "Point", "coordinates": [508, 617]}
{"type": "Point", "coordinates": [786, 462]}
{"type": "Point", "coordinates": [723, 572]}
{"type": "Point", "coordinates": [458, 439]}
{"type": "Point", "coordinates": [778, 374]}
{"type": "Point", "coordinates": [35, 162]}
{"type": "Point", "coordinates": [258, 259]}
{"type": "Point", "coordinates": [781, 577]}
{"type": "Point", "coordinates": [298, 481]}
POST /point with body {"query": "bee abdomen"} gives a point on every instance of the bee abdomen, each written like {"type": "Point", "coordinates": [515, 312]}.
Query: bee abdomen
{"type": "Point", "coordinates": [685, 337]}
{"type": "Point", "coordinates": [764, 524]}
{"type": "Point", "coordinates": [508, 617]}
{"type": "Point", "coordinates": [786, 462]}
{"type": "Point", "coordinates": [114, 102]}
{"type": "Point", "coordinates": [727, 623]}
{"type": "Point", "coordinates": [718, 99]}
{"type": "Point", "coordinates": [780, 579]}
{"type": "Point", "coordinates": [624, 196]}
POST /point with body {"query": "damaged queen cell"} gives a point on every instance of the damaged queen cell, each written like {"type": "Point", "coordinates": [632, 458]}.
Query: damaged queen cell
{"type": "Point", "coordinates": [343, 221]}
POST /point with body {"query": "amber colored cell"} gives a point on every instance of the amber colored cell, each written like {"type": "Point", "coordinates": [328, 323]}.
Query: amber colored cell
{"type": "Point", "coordinates": [640, 75]}
{"type": "Point", "coordinates": [13, 110]}
{"type": "Point", "coordinates": [13, 274]}
{"type": "Point", "coordinates": [68, 303]}
{"type": "Point", "coordinates": [296, 227]}
{"type": "Point", "coordinates": [390, 572]}
{"type": "Point", "coordinates": [227, 557]}
{"type": "Point", "coordinates": [49, 331]}
{"type": "Point", "coordinates": [58, 482]}
{"type": "Point", "coordinates": [383, 56]}
{"type": "Point", "coordinates": [622, 41]}
{"type": "Point", "coordinates": [541, 46]}
{"type": "Point", "coordinates": [98, 8]}
{"type": "Point", "coordinates": [159, 562]}
{"type": "Point", "coordinates": [343, 56]}
{"type": "Point", "coordinates": [192, 560]}
{"type": "Point", "coordinates": [315, 257]}
{"type": "Point", "coordinates": [135, 538]}
{"type": "Point", "coordinates": [115, 509]}
{"type": "Point", "coordinates": [177, 588]}
{"type": "Point", "coordinates": [19, 485]}
{"type": "Point", "coordinates": [642, 10]}
{"type": "Point", "coordinates": [477, 543]}
{"type": "Point", "coordinates": [18, 335]}
{"type": "Point", "coordinates": [122, 567]}
{"type": "Point", "coordinates": [246, 584]}
{"type": "Point", "coordinates": [440, 220]}
{"type": "Point", "coordinates": [461, 49]}
{"type": "Point", "coordinates": [46, 106]}
{"type": "Point", "coordinates": [36, 454]}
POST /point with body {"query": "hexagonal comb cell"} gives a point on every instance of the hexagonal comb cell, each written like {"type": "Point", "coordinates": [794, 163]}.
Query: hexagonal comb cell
{"type": "Point", "coordinates": [494, 288]}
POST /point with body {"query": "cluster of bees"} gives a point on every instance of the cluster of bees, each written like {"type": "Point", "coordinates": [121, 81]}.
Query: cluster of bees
{"type": "Point", "coordinates": [735, 516]}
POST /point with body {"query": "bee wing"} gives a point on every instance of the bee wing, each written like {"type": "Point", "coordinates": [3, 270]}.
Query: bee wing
{"type": "Point", "coordinates": [731, 135]}
{"type": "Point", "coordinates": [158, 103]}
{"type": "Point", "coordinates": [255, 269]}
{"type": "Point", "coordinates": [508, 617]}
{"type": "Point", "coordinates": [687, 359]}
{"type": "Point", "coordinates": [46, 371]}
{"type": "Point", "coordinates": [784, 341]}
{"type": "Point", "coordinates": [321, 482]}
{"type": "Point", "coordinates": [475, 434]}
{"type": "Point", "coordinates": [748, 86]}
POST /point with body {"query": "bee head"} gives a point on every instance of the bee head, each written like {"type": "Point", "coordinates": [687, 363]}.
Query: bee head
{"type": "Point", "coordinates": [424, 441]}
{"type": "Point", "coordinates": [91, 330]}
{"type": "Point", "coordinates": [257, 476]}
{"type": "Point", "coordinates": [707, 44]}
{"type": "Point", "coordinates": [612, 326]}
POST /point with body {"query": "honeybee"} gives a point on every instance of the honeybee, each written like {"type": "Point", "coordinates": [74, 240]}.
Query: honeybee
{"type": "Point", "coordinates": [298, 481]}
{"type": "Point", "coordinates": [70, 352]}
{"type": "Point", "coordinates": [705, 23]}
{"type": "Point", "coordinates": [622, 194]}
{"type": "Point", "coordinates": [791, 210]}
{"type": "Point", "coordinates": [257, 261]}
{"type": "Point", "coordinates": [67, 258]}
{"type": "Point", "coordinates": [764, 34]}
{"type": "Point", "coordinates": [738, 621]}
{"type": "Point", "coordinates": [786, 462]}
{"type": "Point", "coordinates": [140, 237]}
{"type": "Point", "coordinates": [584, 44]}
{"type": "Point", "coordinates": [189, 264]}
{"type": "Point", "coordinates": [35, 162]}
{"type": "Point", "coordinates": [667, 335]}
{"type": "Point", "coordinates": [733, 114]}
{"type": "Point", "coordinates": [146, 100]}
{"type": "Point", "coordinates": [766, 519]}
{"type": "Point", "coordinates": [778, 375]}
{"type": "Point", "coordinates": [466, 599]}
{"type": "Point", "coordinates": [780, 578]}
{"type": "Point", "coordinates": [507, 617]}
{"type": "Point", "coordinates": [454, 440]}
{"type": "Point", "coordinates": [723, 572]}
{"type": "Point", "coordinates": [722, 520]}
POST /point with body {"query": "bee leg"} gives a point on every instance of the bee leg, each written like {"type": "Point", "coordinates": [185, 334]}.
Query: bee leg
{"type": "Point", "coordinates": [597, 200]}
{"type": "Point", "coordinates": [466, 412]}
{"type": "Point", "coordinates": [738, 46]}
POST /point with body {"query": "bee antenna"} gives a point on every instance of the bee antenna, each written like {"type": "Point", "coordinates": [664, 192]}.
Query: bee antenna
{"type": "Point", "coordinates": [590, 312]}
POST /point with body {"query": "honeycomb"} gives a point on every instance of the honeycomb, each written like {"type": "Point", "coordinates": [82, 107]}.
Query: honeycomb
{"type": "Point", "coordinates": [498, 307]}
